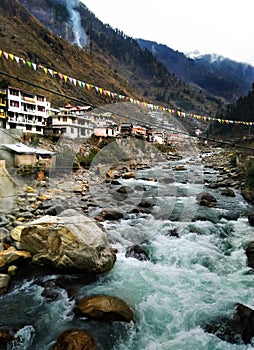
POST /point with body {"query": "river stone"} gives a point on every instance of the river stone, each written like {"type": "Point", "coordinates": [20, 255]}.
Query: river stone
{"type": "Point", "coordinates": [74, 340]}
{"type": "Point", "coordinates": [250, 254]}
{"type": "Point", "coordinates": [136, 251]}
{"type": "Point", "coordinates": [70, 241]}
{"type": "Point", "coordinates": [228, 192]}
{"type": "Point", "coordinates": [206, 199]}
{"type": "Point", "coordinates": [9, 255]}
{"type": "Point", "coordinates": [4, 283]}
{"type": "Point", "coordinates": [236, 329]}
{"type": "Point", "coordinates": [251, 219]}
{"type": "Point", "coordinates": [104, 308]}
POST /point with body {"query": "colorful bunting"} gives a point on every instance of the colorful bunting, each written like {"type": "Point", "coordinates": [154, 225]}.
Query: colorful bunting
{"type": "Point", "coordinates": [114, 95]}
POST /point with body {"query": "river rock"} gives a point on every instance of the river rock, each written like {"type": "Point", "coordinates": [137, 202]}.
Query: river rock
{"type": "Point", "coordinates": [4, 283]}
{"type": "Point", "coordinates": [137, 252]}
{"type": "Point", "coordinates": [74, 340]}
{"type": "Point", "coordinates": [6, 335]}
{"type": "Point", "coordinates": [104, 308]}
{"type": "Point", "coordinates": [236, 329]}
{"type": "Point", "coordinates": [249, 251]}
{"type": "Point", "coordinates": [125, 190]}
{"type": "Point", "coordinates": [111, 214]}
{"type": "Point", "coordinates": [251, 219]}
{"type": "Point", "coordinates": [228, 192]}
{"type": "Point", "coordinates": [70, 241]}
{"type": "Point", "coordinates": [206, 199]}
{"type": "Point", "coordinates": [11, 254]}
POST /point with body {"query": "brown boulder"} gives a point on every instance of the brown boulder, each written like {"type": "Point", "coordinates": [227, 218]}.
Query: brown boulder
{"type": "Point", "coordinates": [9, 255]}
{"type": "Point", "coordinates": [70, 242]}
{"type": "Point", "coordinates": [74, 340]}
{"type": "Point", "coordinates": [206, 199]}
{"type": "Point", "coordinates": [104, 308]}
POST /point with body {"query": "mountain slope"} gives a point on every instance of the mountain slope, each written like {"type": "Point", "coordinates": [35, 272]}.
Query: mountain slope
{"type": "Point", "coordinates": [220, 76]}
{"type": "Point", "coordinates": [24, 36]}
{"type": "Point", "coordinates": [123, 55]}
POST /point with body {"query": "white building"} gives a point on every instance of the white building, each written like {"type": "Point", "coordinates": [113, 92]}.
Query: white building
{"type": "Point", "coordinates": [77, 122]}
{"type": "Point", "coordinates": [73, 122]}
{"type": "Point", "coordinates": [26, 111]}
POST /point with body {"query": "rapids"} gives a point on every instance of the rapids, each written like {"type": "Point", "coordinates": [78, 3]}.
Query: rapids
{"type": "Point", "coordinates": [187, 281]}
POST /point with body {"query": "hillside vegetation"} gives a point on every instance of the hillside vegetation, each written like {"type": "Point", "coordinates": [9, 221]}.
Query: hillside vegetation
{"type": "Point", "coordinates": [113, 61]}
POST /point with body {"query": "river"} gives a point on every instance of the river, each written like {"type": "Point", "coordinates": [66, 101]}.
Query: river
{"type": "Point", "coordinates": [187, 281]}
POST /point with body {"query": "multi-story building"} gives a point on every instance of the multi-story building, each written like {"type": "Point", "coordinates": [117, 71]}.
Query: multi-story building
{"type": "Point", "coordinates": [77, 122]}
{"type": "Point", "coordinates": [26, 111]}
{"type": "Point", "coordinates": [3, 108]}
{"type": "Point", "coordinates": [73, 122]}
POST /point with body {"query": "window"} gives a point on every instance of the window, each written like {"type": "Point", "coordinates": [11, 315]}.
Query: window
{"type": "Point", "coordinates": [41, 109]}
{"type": "Point", "coordinates": [14, 92]}
{"type": "Point", "coordinates": [64, 119]}
{"type": "Point", "coordinates": [41, 98]}
{"type": "Point", "coordinates": [38, 128]}
{"type": "Point", "coordinates": [72, 130]}
{"type": "Point", "coordinates": [14, 104]}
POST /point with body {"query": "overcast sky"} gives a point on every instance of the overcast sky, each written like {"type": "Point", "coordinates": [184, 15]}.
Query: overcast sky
{"type": "Point", "coordinates": [224, 27]}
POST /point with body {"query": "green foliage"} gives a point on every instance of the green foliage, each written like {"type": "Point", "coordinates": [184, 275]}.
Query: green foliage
{"type": "Point", "coordinates": [34, 140]}
{"type": "Point", "coordinates": [86, 161]}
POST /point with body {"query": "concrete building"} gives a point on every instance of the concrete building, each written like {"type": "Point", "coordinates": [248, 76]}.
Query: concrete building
{"type": "Point", "coordinates": [26, 111]}
{"type": "Point", "coordinates": [3, 107]}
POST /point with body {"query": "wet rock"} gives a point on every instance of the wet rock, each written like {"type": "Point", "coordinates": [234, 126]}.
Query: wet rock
{"type": "Point", "coordinates": [167, 180]}
{"type": "Point", "coordinates": [145, 204]}
{"type": "Point", "coordinates": [115, 182]}
{"type": "Point", "coordinates": [125, 189]}
{"type": "Point", "coordinates": [4, 235]}
{"type": "Point", "coordinates": [237, 329]}
{"type": "Point", "coordinates": [251, 219]}
{"type": "Point", "coordinates": [128, 175]}
{"type": "Point", "coordinates": [172, 233]}
{"type": "Point", "coordinates": [138, 252]}
{"type": "Point", "coordinates": [249, 251]}
{"type": "Point", "coordinates": [111, 214]}
{"type": "Point", "coordinates": [70, 241]}
{"type": "Point", "coordinates": [74, 340]}
{"type": "Point", "coordinates": [4, 283]}
{"type": "Point", "coordinates": [6, 335]}
{"type": "Point", "coordinates": [228, 192]}
{"type": "Point", "coordinates": [206, 199]}
{"type": "Point", "coordinates": [139, 188]}
{"type": "Point", "coordinates": [104, 308]}
{"type": "Point", "coordinates": [55, 210]}
{"type": "Point", "coordinates": [50, 292]}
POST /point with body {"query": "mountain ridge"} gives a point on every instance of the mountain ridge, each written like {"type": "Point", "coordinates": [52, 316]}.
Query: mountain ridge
{"type": "Point", "coordinates": [221, 76]}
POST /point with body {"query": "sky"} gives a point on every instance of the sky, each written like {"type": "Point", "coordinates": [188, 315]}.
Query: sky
{"type": "Point", "coordinates": [223, 27]}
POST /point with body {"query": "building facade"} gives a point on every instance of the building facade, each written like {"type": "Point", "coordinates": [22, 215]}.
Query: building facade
{"type": "Point", "coordinates": [3, 108]}
{"type": "Point", "coordinates": [26, 111]}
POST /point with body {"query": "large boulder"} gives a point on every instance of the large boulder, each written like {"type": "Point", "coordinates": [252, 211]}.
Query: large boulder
{"type": "Point", "coordinates": [70, 241]}
{"type": "Point", "coordinates": [104, 308]}
{"type": "Point", "coordinates": [74, 340]}
{"type": "Point", "coordinates": [236, 329]}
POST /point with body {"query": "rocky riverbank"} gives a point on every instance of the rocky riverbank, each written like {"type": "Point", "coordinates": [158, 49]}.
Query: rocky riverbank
{"type": "Point", "coordinates": [55, 221]}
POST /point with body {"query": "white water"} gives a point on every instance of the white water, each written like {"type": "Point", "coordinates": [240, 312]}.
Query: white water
{"type": "Point", "coordinates": [188, 280]}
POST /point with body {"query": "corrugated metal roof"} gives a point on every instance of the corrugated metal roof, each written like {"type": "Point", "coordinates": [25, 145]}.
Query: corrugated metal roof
{"type": "Point", "coordinates": [21, 148]}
